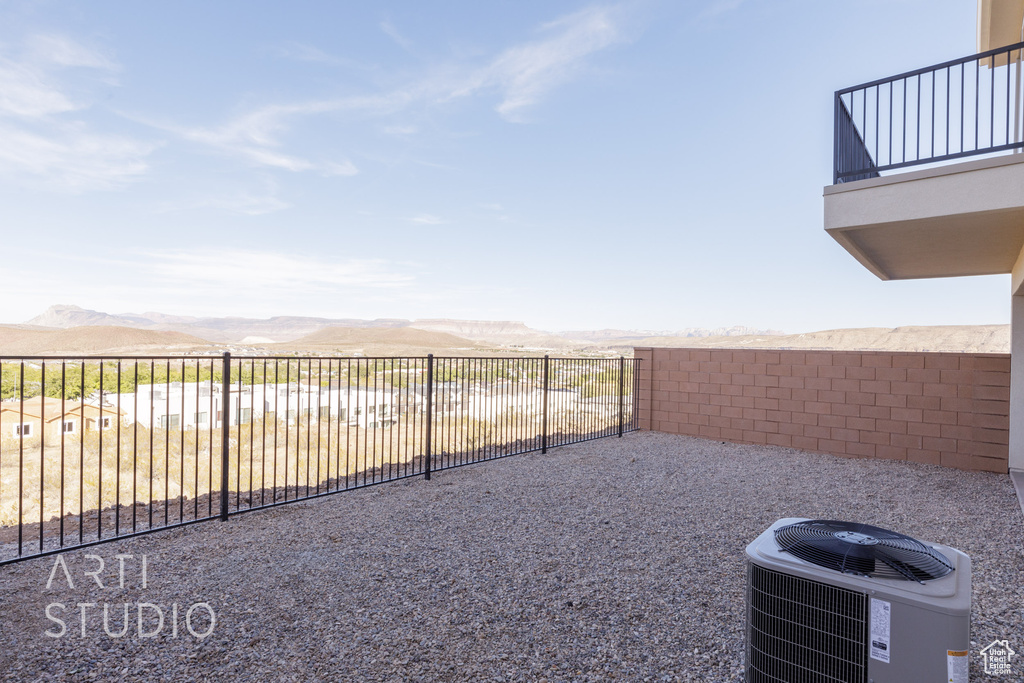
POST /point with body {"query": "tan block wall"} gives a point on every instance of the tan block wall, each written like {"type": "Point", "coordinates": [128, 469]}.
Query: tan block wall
{"type": "Point", "coordinates": [947, 409]}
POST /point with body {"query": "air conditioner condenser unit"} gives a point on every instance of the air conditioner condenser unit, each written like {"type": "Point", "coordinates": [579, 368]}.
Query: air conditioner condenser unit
{"type": "Point", "coordinates": [841, 602]}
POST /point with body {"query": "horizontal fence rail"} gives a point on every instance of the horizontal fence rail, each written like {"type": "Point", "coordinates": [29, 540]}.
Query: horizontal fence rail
{"type": "Point", "coordinates": [961, 108]}
{"type": "Point", "coordinates": [94, 449]}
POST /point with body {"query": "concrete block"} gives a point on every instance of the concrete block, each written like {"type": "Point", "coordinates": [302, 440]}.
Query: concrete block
{"type": "Point", "coordinates": [923, 375]}
{"type": "Point", "coordinates": [877, 386]}
{"type": "Point", "coordinates": [891, 452]}
{"type": "Point", "coordinates": [831, 421]}
{"type": "Point", "coordinates": [924, 402]}
{"type": "Point", "coordinates": [818, 407]}
{"type": "Point", "coordinates": [832, 446]}
{"type": "Point", "coordinates": [860, 449]}
{"type": "Point", "coordinates": [943, 361]}
{"type": "Point", "coordinates": [805, 443]}
{"type": "Point", "coordinates": [860, 373]}
{"type": "Point", "coordinates": [832, 372]}
{"type": "Point", "coordinates": [816, 432]}
{"type": "Point", "coordinates": [891, 374]}
{"type": "Point", "coordinates": [850, 435]}
{"type": "Point", "coordinates": [907, 388]}
{"type": "Point", "coordinates": [908, 360]}
{"type": "Point", "coordinates": [876, 360]}
{"type": "Point", "coordinates": [924, 429]}
{"type": "Point", "coordinates": [891, 426]}
{"type": "Point", "coordinates": [907, 414]}
{"type": "Point", "coordinates": [923, 455]}
{"type": "Point", "coordinates": [906, 440]}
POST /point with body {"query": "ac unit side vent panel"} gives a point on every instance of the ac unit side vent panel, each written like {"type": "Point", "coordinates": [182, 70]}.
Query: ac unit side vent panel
{"type": "Point", "coordinates": [802, 631]}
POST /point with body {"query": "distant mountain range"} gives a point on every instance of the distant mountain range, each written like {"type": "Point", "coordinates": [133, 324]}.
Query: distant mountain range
{"type": "Point", "coordinates": [289, 328]}
{"type": "Point", "coordinates": [70, 330]}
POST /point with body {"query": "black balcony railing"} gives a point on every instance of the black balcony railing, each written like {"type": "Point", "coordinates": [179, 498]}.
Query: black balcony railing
{"type": "Point", "coordinates": [96, 449]}
{"type": "Point", "coordinates": [966, 107]}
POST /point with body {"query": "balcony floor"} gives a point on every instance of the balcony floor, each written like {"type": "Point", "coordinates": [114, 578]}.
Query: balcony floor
{"type": "Point", "coordinates": [613, 559]}
{"type": "Point", "coordinates": [953, 220]}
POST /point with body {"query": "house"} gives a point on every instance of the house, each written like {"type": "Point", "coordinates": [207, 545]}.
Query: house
{"type": "Point", "coordinates": [929, 182]}
{"type": "Point", "coordinates": [53, 416]}
{"type": "Point", "coordinates": [200, 405]}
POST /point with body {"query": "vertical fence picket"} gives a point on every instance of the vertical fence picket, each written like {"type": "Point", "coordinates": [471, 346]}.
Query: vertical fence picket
{"type": "Point", "coordinates": [544, 419]}
{"type": "Point", "coordinates": [225, 435]}
{"type": "Point", "coordinates": [428, 427]}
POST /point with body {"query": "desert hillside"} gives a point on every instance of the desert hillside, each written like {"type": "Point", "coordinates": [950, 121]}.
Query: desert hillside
{"type": "Point", "coordinates": [224, 330]}
{"type": "Point", "coordinates": [378, 341]}
{"type": "Point", "coordinates": [498, 332]}
{"type": "Point", "coordinates": [95, 340]}
{"type": "Point", "coordinates": [387, 337]}
{"type": "Point", "coordinates": [280, 331]}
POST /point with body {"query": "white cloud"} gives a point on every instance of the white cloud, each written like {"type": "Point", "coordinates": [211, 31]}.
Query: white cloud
{"type": "Point", "coordinates": [719, 7]}
{"type": "Point", "coordinates": [40, 141]}
{"type": "Point", "coordinates": [527, 72]}
{"type": "Point", "coordinates": [255, 137]}
{"type": "Point", "coordinates": [70, 157]}
{"type": "Point", "coordinates": [428, 219]}
{"type": "Point", "coordinates": [281, 275]}
{"type": "Point", "coordinates": [27, 92]}
{"type": "Point", "coordinates": [211, 282]}
{"type": "Point", "coordinates": [307, 53]}
{"type": "Point", "coordinates": [344, 168]}
{"type": "Point", "coordinates": [247, 203]}
{"type": "Point", "coordinates": [62, 51]}
{"type": "Point", "coordinates": [522, 75]}
{"type": "Point", "coordinates": [388, 28]}
{"type": "Point", "coordinates": [400, 130]}
{"type": "Point", "coordinates": [250, 205]}
{"type": "Point", "coordinates": [497, 211]}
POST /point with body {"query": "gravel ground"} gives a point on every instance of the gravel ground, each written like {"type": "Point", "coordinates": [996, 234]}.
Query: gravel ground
{"type": "Point", "coordinates": [608, 560]}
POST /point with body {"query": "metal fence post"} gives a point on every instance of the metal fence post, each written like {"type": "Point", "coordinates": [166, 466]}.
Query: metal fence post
{"type": "Point", "coordinates": [225, 443]}
{"type": "Point", "coordinates": [430, 413]}
{"type": "Point", "coordinates": [544, 422]}
{"type": "Point", "coordinates": [622, 378]}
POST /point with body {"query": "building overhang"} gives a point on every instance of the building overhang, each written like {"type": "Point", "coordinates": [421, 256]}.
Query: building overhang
{"type": "Point", "coordinates": [954, 220]}
{"type": "Point", "coordinates": [999, 23]}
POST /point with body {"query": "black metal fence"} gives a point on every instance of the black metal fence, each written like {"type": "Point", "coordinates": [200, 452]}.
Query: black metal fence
{"type": "Point", "coordinates": [965, 107]}
{"type": "Point", "coordinates": [94, 449]}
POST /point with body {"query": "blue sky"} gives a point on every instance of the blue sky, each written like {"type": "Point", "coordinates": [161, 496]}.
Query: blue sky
{"type": "Point", "coordinates": [651, 164]}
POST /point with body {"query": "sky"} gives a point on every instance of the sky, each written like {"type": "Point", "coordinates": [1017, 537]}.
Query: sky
{"type": "Point", "coordinates": [645, 164]}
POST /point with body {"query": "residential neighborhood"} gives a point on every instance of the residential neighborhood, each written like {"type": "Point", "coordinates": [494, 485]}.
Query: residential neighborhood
{"type": "Point", "coordinates": [38, 415]}
{"type": "Point", "coordinates": [201, 405]}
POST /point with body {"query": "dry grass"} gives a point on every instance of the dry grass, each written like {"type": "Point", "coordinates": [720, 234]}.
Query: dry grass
{"type": "Point", "coordinates": [137, 465]}
{"type": "Point", "coordinates": [143, 465]}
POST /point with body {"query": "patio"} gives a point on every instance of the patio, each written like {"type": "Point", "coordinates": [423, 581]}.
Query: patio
{"type": "Point", "coordinates": [615, 559]}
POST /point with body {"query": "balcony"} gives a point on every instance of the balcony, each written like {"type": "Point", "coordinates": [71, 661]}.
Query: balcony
{"type": "Point", "coordinates": [928, 177]}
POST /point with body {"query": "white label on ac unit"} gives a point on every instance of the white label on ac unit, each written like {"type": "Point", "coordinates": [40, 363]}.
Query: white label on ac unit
{"type": "Point", "coordinates": [881, 615]}
{"type": "Point", "coordinates": [956, 666]}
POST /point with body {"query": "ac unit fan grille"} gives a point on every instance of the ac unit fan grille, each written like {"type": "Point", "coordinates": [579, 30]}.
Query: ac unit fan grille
{"type": "Point", "coordinates": [862, 549]}
{"type": "Point", "coordinates": [801, 631]}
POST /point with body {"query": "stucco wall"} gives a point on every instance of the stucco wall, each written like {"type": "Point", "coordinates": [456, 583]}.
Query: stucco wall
{"type": "Point", "coordinates": [942, 408]}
